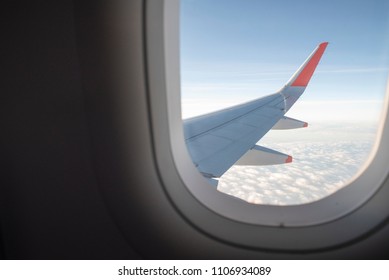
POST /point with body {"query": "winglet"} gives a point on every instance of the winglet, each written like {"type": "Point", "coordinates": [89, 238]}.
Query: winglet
{"type": "Point", "coordinates": [304, 73]}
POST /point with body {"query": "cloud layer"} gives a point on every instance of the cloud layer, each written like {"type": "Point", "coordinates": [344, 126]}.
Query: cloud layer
{"type": "Point", "coordinates": [318, 169]}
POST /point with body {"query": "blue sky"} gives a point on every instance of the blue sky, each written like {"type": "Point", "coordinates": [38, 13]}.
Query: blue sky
{"type": "Point", "coordinates": [237, 50]}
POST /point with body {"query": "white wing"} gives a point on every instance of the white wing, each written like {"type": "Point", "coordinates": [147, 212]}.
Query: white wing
{"type": "Point", "coordinates": [217, 140]}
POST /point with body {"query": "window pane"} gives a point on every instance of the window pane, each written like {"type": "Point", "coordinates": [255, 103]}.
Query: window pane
{"type": "Point", "coordinates": [236, 51]}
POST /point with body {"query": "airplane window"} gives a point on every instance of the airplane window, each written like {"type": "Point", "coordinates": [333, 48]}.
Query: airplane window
{"type": "Point", "coordinates": [278, 150]}
{"type": "Point", "coordinates": [251, 62]}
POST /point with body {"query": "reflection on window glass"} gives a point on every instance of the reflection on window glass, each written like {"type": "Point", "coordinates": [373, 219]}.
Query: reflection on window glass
{"type": "Point", "coordinates": [235, 51]}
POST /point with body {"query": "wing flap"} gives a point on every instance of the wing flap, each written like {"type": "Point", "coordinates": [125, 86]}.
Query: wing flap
{"type": "Point", "coordinates": [263, 156]}
{"type": "Point", "coordinates": [289, 123]}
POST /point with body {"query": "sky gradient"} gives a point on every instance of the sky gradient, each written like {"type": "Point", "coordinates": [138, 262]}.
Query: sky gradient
{"type": "Point", "coordinates": [233, 51]}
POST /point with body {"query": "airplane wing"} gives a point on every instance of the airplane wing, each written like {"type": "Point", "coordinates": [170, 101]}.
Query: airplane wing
{"type": "Point", "coordinates": [218, 140]}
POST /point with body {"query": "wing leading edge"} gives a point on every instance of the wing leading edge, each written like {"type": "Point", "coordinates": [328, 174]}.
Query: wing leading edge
{"type": "Point", "coordinates": [217, 140]}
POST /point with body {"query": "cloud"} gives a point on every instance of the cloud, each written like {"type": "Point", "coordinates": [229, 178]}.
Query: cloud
{"type": "Point", "coordinates": [319, 169]}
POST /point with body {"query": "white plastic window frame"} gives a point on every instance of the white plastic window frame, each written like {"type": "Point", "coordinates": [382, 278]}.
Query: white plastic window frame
{"type": "Point", "coordinates": [355, 210]}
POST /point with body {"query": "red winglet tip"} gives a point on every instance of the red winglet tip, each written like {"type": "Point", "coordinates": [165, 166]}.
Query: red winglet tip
{"type": "Point", "coordinates": [305, 125]}
{"type": "Point", "coordinates": [289, 159]}
{"type": "Point", "coordinates": [305, 75]}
